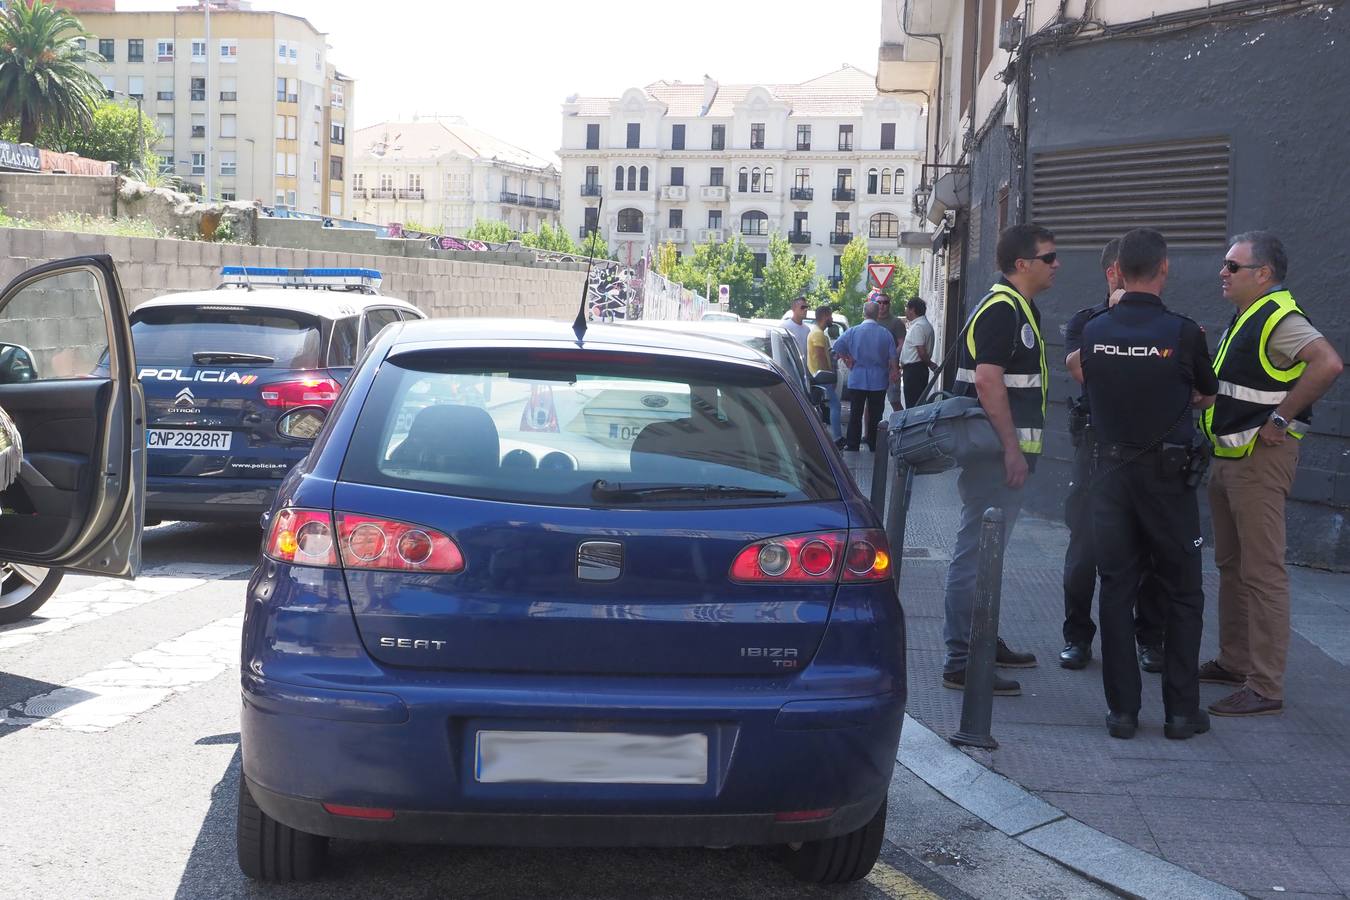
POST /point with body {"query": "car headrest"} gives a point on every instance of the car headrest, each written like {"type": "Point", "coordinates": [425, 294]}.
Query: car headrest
{"type": "Point", "coordinates": [452, 439]}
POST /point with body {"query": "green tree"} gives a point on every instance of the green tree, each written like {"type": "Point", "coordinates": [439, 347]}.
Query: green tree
{"type": "Point", "coordinates": [785, 277]}
{"type": "Point", "coordinates": [549, 238]}
{"type": "Point", "coordinates": [730, 263]}
{"type": "Point", "coordinates": [117, 132]}
{"type": "Point", "coordinates": [425, 228]}
{"type": "Point", "coordinates": [665, 259]}
{"type": "Point", "coordinates": [43, 79]}
{"type": "Point", "coordinates": [849, 296]}
{"type": "Point", "coordinates": [491, 232]}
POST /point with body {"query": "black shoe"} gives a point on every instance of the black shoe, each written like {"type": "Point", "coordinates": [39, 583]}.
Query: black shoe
{"type": "Point", "coordinates": [1151, 659]}
{"type": "Point", "coordinates": [1003, 687]}
{"type": "Point", "coordinates": [841, 443]}
{"type": "Point", "coordinates": [1178, 728]}
{"type": "Point", "coordinates": [1011, 659]}
{"type": "Point", "coordinates": [1075, 656]}
{"type": "Point", "coordinates": [1122, 725]}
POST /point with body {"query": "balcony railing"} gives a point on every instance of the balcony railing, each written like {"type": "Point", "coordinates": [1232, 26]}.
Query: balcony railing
{"type": "Point", "coordinates": [674, 192]}
{"type": "Point", "coordinates": [803, 193]}
{"type": "Point", "coordinates": [674, 235]}
{"type": "Point", "coordinates": [510, 197]}
{"type": "Point", "coordinates": [803, 146]}
{"type": "Point", "coordinates": [590, 190]}
{"type": "Point", "coordinates": [411, 194]}
{"type": "Point", "coordinates": [836, 280]}
{"type": "Point", "coordinates": [712, 235]}
{"type": "Point", "coordinates": [799, 237]}
{"type": "Point", "coordinates": [382, 194]}
{"type": "Point", "coordinates": [549, 203]}
{"type": "Point", "coordinates": [528, 200]}
{"type": "Point", "coordinates": [840, 237]}
{"type": "Point", "coordinates": [713, 192]}
{"type": "Point", "coordinates": [846, 195]}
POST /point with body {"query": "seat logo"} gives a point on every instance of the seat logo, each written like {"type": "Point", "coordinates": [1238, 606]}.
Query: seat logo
{"type": "Point", "coordinates": [1114, 350]}
{"type": "Point", "coordinates": [599, 561]}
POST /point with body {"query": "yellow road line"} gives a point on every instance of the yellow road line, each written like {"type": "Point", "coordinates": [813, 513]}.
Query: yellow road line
{"type": "Point", "coordinates": [897, 885]}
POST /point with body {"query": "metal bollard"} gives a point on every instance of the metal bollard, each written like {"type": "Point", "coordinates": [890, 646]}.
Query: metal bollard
{"type": "Point", "coordinates": [977, 703]}
{"type": "Point", "coordinates": [879, 461]}
{"type": "Point", "coordinates": [897, 516]}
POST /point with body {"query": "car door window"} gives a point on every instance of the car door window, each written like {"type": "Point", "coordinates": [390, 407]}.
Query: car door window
{"type": "Point", "coordinates": [53, 329]}
{"type": "Point", "coordinates": [377, 319]}
{"type": "Point", "coordinates": [342, 344]}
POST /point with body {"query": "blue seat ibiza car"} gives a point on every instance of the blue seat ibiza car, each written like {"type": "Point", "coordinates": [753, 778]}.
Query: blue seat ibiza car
{"type": "Point", "coordinates": [530, 589]}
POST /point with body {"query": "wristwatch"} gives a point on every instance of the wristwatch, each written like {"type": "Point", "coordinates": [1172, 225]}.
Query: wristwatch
{"type": "Point", "coordinates": [1279, 421]}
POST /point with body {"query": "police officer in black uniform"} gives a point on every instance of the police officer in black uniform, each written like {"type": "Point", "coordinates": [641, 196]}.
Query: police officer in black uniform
{"type": "Point", "coordinates": [1145, 369]}
{"type": "Point", "coordinates": [1080, 562]}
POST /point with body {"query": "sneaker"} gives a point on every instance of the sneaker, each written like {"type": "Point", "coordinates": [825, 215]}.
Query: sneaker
{"type": "Point", "coordinates": [1213, 673]}
{"type": "Point", "coordinates": [1003, 687]}
{"type": "Point", "coordinates": [1011, 659]}
{"type": "Point", "coordinates": [1246, 702]}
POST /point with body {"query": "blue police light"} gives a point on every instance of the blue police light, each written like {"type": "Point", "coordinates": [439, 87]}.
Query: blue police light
{"type": "Point", "coordinates": [315, 278]}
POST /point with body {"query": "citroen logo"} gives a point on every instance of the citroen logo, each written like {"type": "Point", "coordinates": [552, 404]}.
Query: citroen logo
{"type": "Point", "coordinates": [185, 398]}
{"type": "Point", "coordinates": [599, 561]}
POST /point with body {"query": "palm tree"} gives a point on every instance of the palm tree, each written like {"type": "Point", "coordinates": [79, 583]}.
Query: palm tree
{"type": "Point", "coordinates": [43, 79]}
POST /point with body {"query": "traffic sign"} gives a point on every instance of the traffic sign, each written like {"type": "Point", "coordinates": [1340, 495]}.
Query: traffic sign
{"type": "Point", "coordinates": [723, 293]}
{"type": "Point", "coordinates": [880, 273]}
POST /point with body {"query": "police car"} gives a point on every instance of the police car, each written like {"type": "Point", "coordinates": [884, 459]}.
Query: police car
{"type": "Point", "coordinates": [238, 381]}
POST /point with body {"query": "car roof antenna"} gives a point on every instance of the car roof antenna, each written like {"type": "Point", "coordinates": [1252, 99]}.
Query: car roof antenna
{"type": "Point", "coordinates": [579, 326]}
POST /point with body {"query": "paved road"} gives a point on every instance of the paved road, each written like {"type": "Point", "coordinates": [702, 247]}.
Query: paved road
{"type": "Point", "coordinates": [119, 753]}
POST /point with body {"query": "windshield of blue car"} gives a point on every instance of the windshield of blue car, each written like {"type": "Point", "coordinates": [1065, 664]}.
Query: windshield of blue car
{"type": "Point", "coordinates": [170, 335]}
{"type": "Point", "coordinates": [535, 432]}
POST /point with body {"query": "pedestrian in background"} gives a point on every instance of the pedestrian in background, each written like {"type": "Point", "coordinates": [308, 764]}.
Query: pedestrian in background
{"type": "Point", "coordinates": [1146, 466]}
{"type": "Point", "coordinates": [869, 351]}
{"type": "Point", "coordinates": [916, 352]}
{"type": "Point", "coordinates": [896, 326]}
{"type": "Point", "coordinates": [797, 324]}
{"type": "Point", "coordinates": [1002, 363]}
{"type": "Point", "coordinates": [1080, 562]}
{"type": "Point", "coordinates": [1272, 365]}
{"type": "Point", "coordinates": [818, 360]}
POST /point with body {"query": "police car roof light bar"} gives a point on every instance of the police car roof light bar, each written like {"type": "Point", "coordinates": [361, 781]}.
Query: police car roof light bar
{"type": "Point", "coordinates": [365, 281]}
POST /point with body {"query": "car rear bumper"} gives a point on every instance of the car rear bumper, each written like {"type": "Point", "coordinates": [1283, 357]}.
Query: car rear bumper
{"type": "Point", "coordinates": [413, 752]}
{"type": "Point", "coordinates": [208, 499]}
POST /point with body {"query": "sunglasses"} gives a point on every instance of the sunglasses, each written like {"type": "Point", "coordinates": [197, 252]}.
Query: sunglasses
{"type": "Point", "coordinates": [1232, 266]}
{"type": "Point", "coordinates": [1047, 258]}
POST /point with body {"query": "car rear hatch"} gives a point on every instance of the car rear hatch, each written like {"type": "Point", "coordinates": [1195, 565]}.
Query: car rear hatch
{"type": "Point", "coordinates": [218, 378]}
{"type": "Point", "coordinates": [598, 502]}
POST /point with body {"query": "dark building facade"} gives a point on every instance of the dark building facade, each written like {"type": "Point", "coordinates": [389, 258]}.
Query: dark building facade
{"type": "Point", "coordinates": [1203, 125]}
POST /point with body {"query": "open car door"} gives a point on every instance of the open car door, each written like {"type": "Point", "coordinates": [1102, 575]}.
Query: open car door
{"type": "Point", "coordinates": [68, 380]}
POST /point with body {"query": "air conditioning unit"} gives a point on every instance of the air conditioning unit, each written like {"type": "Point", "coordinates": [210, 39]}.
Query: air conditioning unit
{"type": "Point", "coordinates": [1010, 33]}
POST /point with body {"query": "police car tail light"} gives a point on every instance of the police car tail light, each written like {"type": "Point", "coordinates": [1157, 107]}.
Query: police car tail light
{"type": "Point", "coordinates": [302, 537]}
{"type": "Point", "coordinates": [369, 542]}
{"type": "Point", "coordinates": [309, 391]}
{"type": "Point", "coordinates": [868, 557]}
{"type": "Point", "coordinates": [793, 558]}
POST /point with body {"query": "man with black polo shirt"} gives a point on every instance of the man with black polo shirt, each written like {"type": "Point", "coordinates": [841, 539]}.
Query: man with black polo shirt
{"type": "Point", "coordinates": [1002, 364]}
{"type": "Point", "coordinates": [1080, 563]}
{"type": "Point", "coordinates": [1145, 468]}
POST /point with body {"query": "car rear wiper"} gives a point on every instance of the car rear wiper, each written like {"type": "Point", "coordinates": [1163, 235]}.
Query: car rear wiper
{"type": "Point", "coordinates": [209, 357]}
{"type": "Point", "coordinates": [614, 491]}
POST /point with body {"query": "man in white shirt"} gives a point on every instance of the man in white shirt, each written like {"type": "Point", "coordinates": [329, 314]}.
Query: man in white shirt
{"type": "Point", "coordinates": [916, 356]}
{"type": "Point", "coordinates": [797, 324]}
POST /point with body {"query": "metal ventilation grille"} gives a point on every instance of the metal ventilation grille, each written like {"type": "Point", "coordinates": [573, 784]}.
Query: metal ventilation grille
{"type": "Point", "coordinates": [1087, 197]}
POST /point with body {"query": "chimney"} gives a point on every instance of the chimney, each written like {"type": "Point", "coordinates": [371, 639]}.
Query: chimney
{"type": "Point", "coordinates": [709, 94]}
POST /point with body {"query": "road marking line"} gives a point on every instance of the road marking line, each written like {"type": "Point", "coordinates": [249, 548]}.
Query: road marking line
{"type": "Point", "coordinates": [896, 884]}
{"type": "Point", "coordinates": [129, 687]}
{"type": "Point", "coordinates": [104, 598]}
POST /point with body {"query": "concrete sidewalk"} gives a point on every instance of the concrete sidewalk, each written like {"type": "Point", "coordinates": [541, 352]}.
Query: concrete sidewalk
{"type": "Point", "coordinates": [1261, 805]}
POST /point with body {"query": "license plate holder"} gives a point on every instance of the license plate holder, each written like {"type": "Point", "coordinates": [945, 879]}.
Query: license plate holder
{"type": "Point", "coordinates": [195, 439]}
{"type": "Point", "coordinates": [572, 757]}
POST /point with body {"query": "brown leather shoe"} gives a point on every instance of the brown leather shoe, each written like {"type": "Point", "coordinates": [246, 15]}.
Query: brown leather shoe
{"type": "Point", "coordinates": [1213, 673]}
{"type": "Point", "coordinates": [1246, 702]}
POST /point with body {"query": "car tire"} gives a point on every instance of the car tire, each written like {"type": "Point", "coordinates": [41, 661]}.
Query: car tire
{"type": "Point", "coordinates": [24, 590]}
{"type": "Point", "coordinates": [272, 852]}
{"type": "Point", "coordinates": [841, 859]}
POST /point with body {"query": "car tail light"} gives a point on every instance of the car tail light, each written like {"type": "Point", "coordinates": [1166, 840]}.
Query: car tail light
{"type": "Point", "coordinates": [368, 542]}
{"type": "Point", "coordinates": [303, 537]}
{"type": "Point", "coordinates": [358, 812]}
{"type": "Point", "coordinates": [799, 558]}
{"type": "Point", "coordinates": [804, 815]}
{"type": "Point", "coordinates": [312, 390]}
{"type": "Point", "coordinates": [868, 557]}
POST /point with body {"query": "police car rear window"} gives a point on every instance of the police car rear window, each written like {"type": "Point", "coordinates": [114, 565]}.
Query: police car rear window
{"type": "Point", "coordinates": [170, 336]}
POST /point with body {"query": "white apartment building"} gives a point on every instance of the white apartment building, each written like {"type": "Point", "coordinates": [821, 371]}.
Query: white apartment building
{"type": "Point", "coordinates": [818, 161]}
{"type": "Point", "coordinates": [254, 111]}
{"type": "Point", "coordinates": [440, 173]}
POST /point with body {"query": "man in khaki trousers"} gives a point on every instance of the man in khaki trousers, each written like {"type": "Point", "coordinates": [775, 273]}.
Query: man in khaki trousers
{"type": "Point", "coordinates": [1272, 366]}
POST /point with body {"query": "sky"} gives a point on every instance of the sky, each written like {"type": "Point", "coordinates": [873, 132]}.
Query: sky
{"type": "Point", "coordinates": [507, 67]}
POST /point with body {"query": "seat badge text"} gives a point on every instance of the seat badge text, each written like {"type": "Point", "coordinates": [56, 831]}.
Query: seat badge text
{"type": "Point", "coordinates": [411, 644]}
{"type": "Point", "coordinates": [782, 657]}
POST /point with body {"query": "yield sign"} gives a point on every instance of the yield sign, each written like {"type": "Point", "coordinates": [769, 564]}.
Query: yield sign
{"type": "Point", "coordinates": [880, 273]}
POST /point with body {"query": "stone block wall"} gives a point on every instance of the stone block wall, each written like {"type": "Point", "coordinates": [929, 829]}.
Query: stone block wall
{"type": "Point", "coordinates": [39, 197]}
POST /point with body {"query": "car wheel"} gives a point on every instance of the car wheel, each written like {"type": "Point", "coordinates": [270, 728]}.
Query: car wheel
{"type": "Point", "coordinates": [23, 589]}
{"type": "Point", "coordinates": [271, 851]}
{"type": "Point", "coordinates": [841, 859]}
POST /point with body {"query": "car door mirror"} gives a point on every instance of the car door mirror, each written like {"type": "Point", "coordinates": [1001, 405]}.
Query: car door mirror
{"type": "Point", "coordinates": [818, 394]}
{"type": "Point", "coordinates": [16, 364]}
{"type": "Point", "coordinates": [824, 376]}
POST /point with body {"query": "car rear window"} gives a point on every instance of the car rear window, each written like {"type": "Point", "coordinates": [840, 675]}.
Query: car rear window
{"type": "Point", "coordinates": [168, 336]}
{"type": "Point", "coordinates": [546, 428]}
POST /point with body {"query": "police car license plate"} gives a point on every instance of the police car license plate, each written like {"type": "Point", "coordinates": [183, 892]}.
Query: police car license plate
{"type": "Point", "coordinates": [186, 439]}
{"type": "Point", "coordinates": [564, 757]}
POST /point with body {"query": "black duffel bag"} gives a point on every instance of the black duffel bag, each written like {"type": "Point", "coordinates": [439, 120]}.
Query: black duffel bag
{"type": "Point", "coordinates": [942, 434]}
